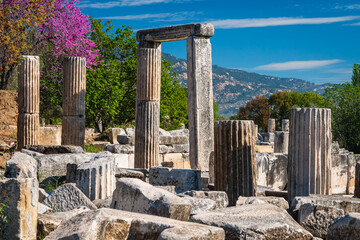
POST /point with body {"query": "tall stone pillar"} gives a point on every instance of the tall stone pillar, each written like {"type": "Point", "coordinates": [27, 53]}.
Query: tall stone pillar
{"type": "Point", "coordinates": [235, 159]}
{"type": "Point", "coordinates": [28, 125]}
{"type": "Point", "coordinates": [309, 152]}
{"type": "Point", "coordinates": [200, 104]}
{"type": "Point", "coordinates": [357, 181]}
{"type": "Point", "coordinates": [271, 125]}
{"type": "Point", "coordinates": [74, 91]}
{"type": "Point", "coordinates": [147, 120]}
{"type": "Point", "coordinates": [281, 142]}
{"type": "Point", "coordinates": [285, 125]}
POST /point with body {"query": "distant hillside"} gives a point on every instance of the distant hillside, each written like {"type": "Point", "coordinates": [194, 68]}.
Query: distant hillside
{"type": "Point", "coordinates": [233, 88]}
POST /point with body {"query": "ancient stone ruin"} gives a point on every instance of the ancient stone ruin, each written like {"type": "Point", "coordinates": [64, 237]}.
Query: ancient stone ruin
{"type": "Point", "coordinates": [154, 184]}
{"type": "Point", "coordinates": [200, 94]}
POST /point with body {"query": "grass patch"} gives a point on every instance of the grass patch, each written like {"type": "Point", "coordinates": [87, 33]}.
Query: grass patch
{"type": "Point", "coordinates": [91, 148]}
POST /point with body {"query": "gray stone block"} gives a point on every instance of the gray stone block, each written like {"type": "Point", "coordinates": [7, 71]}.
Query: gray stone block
{"type": "Point", "coordinates": [170, 140]}
{"type": "Point", "coordinates": [118, 148]}
{"type": "Point", "coordinates": [21, 165]}
{"type": "Point", "coordinates": [346, 227]}
{"type": "Point", "coordinates": [276, 201]}
{"type": "Point", "coordinates": [221, 198]}
{"type": "Point", "coordinates": [182, 179]}
{"type": "Point", "coordinates": [54, 149]}
{"type": "Point", "coordinates": [68, 197]}
{"type": "Point", "coordinates": [134, 195]}
{"type": "Point", "coordinates": [116, 224]}
{"type": "Point", "coordinates": [124, 139]}
{"type": "Point", "coordinates": [254, 221]}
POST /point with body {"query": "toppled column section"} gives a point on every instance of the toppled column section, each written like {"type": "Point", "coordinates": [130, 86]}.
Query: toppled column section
{"type": "Point", "coordinates": [235, 159]}
{"type": "Point", "coordinates": [309, 152]}
{"type": "Point", "coordinates": [28, 126]}
{"type": "Point", "coordinates": [285, 125]}
{"type": "Point", "coordinates": [271, 125]}
{"type": "Point", "coordinates": [96, 179]}
{"type": "Point", "coordinates": [21, 196]}
{"type": "Point", "coordinates": [281, 142]}
{"type": "Point", "coordinates": [147, 121]}
{"type": "Point", "coordinates": [74, 90]}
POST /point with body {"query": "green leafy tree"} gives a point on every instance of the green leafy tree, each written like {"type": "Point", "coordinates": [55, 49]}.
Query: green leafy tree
{"type": "Point", "coordinates": [111, 86]}
{"type": "Point", "coordinates": [174, 100]}
{"type": "Point", "coordinates": [258, 110]}
{"type": "Point", "coordinates": [356, 75]}
{"type": "Point", "coordinates": [345, 105]}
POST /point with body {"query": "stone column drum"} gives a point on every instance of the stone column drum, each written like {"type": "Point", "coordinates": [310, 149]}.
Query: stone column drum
{"type": "Point", "coordinates": [200, 104]}
{"type": "Point", "coordinates": [285, 125]}
{"type": "Point", "coordinates": [147, 120]}
{"type": "Point", "coordinates": [235, 159]}
{"type": "Point", "coordinates": [28, 125]}
{"type": "Point", "coordinates": [271, 125]}
{"type": "Point", "coordinates": [309, 152]}
{"type": "Point", "coordinates": [96, 179]}
{"type": "Point", "coordinates": [74, 91]}
{"type": "Point", "coordinates": [357, 180]}
{"type": "Point", "coordinates": [281, 142]}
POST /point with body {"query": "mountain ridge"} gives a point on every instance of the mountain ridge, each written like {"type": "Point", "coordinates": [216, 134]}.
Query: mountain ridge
{"type": "Point", "coordinates": [233, 87]}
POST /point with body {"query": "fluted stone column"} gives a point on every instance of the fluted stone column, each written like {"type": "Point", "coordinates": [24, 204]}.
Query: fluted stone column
{"type": "Point", "coordinates": [309, 152]}
{"type": "Point", "coordinates": [96, 179]}
{"type": "Point", "coordinates": [147, 120]}
{"type": "Point", "coordinates": [357, 180]}
{"type": "Point", "coordinates": [271, 125]}
{"type": "Point", "coordinates": [235, 159]}
{"type": "Point", "coordinates": [281, 142]}
{"type": "Point", "coordinates": [28, 125]}
{"type": "Point", "coordinates": [74, 91]}
{"type": "Point", "coordinates": [200, 104]}
{"type": "Point", "coordinates": [285, 125]}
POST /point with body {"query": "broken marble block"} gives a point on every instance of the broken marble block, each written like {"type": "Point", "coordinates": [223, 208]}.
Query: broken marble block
{"type": "Point", "coordinates": [132, 194]}
{"type": "Point", "coordinates": [317, 218]}
{"type": "Point", "coordinates": [49, 222]}
{"type": "Point", "coordinates": [68, 197]}
{"type": "Point", "coordinates": [54, 149]}
{"type": "Point", "coordinates": [124, 139]}
{"type": "Point", "coordinates": [220, 198]}
{"type": "Point", "coordinates": [21, 196]}
{"type": "Point", "coordinates": [276, 201]}
{"type": "Point", "coordinates": [96, 179]}
{"type": "Point", "coordinates": [183, 179]}
{"type": "Point", "coordinates": [199, 204]}
{"type": "Point", "coordinates": [103, 224]}
{"type": "Point", "coordinates": [21, 165]}
{"type": "Point", "coordinates": [254, 221]}
{"type": "Point", "coordinates": [346, 227]}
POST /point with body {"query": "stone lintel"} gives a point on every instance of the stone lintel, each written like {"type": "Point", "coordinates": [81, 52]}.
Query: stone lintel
{"type": "Point", "coordinates": [175, 33]}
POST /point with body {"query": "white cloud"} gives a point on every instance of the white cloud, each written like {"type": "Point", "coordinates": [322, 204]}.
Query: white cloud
{"type": "Point", "coordinates": [296, 65]}
{"type": "Point", "coordinates": [348, 7]}
{"type": "Point", "coordinates": [124, 3]}
{"type": "Point", "coordinates": [353, 24]}
{"type": "Point", "coordinates": [177, 16]}
{"type": "Point", "coordinates": [281, 21]}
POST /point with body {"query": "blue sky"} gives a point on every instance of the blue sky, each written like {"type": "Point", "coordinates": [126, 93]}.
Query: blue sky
{"type": "Point", "coordinates": [316, 40]}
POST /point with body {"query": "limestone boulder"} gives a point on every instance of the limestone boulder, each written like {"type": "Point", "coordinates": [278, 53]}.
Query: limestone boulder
{"type": "Point", "coordinates": [56, 164]}
{"type": "Point", "coordinates": [113, 133]}
{"type": "Point", "coordinates": [118, 148]}
{"type": "Point", "coordinates": [42, 195]}
{"type": "Point", "coordinates": [42, 208]}
{"type": "Point", "coordinates": [199, 204]}
{"type": "Point", "coordinates": [124, 139]}
{"type": "Point", "coordinates": [317, 218]}
{"type": "Point", "coordinates": [276, 201]}
{"type": "Point", "coordinates": [21, 165]}
{"type": "Point", "coordinates": [103, 203]}
{"type": "Point", "coordinates": [66, 198]}
{"type": "Point", "coordinates": [113, 224]}
{"type": "Point", "coordinates": [127, 173]}
{"type": "Point", "coordinates": [49, 222]}
{"type": "Point", "coordinates": [220, 198]}
{"type": "Point", "coordinates": [21, 196]}
{"type": "Point", "coordinates": [346, 227]}
{"type": "Point", "coordinates": [346, 203]}
{"type": "Point", "coordinates": [182, 179]}
{"type": "Point", "coordinates": [134, 195]}
{"type": "Point", "coordinates": [254, 221]}
{"type": "Point", "coordinates": [54, 149]}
